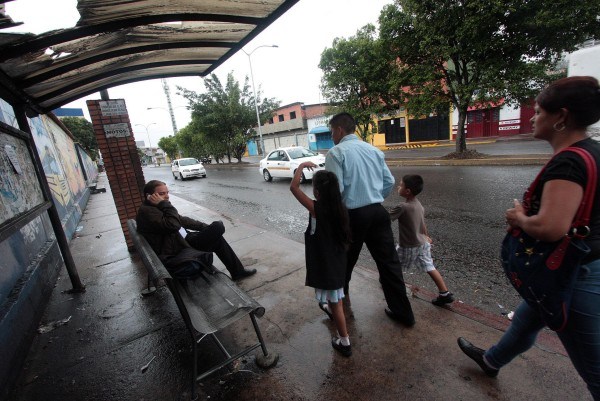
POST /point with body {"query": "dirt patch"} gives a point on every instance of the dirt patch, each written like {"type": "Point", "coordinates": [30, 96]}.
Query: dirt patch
{"type": "Point", "coordinates": [467, 154]}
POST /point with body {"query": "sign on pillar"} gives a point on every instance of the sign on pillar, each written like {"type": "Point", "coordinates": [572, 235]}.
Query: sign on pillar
{"type": "Point", "coordinates": [116, 143]}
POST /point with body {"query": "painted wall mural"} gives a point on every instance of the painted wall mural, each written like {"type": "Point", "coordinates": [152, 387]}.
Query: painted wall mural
{"type": "Point", "coordinates": [68, 157]}
{"type": "Point", "coordinates": [55, 175]}
{"type": "Point", "coordinates": [19, 186]}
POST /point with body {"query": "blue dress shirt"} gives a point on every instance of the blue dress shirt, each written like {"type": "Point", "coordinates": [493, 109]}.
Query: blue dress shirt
{"type": "Point", "coordinates": [364, 177]}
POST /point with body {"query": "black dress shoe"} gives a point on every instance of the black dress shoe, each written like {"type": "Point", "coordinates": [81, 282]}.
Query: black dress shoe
{"type": "Point", "coordinates": [476, 354]}
{"type": "Point", "coordinates": [399, 319]}
{"type": "Point", "coordinates": [243, 274]}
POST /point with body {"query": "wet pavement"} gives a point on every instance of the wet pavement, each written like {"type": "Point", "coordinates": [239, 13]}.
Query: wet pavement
{"type": "Point", "coordinates": [110, 332]}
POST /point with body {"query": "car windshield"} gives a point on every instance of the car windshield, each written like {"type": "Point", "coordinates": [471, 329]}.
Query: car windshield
{"type": "Point", "coordinates": [188, 162]}
{"type": "Point", "coordinates": [299, 153]}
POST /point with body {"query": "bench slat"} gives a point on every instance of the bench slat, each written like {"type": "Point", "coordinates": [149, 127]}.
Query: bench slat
{"type": "Point", "coordinates": [213, 302]}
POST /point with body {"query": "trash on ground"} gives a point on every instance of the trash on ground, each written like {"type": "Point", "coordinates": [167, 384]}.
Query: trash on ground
{"type": "Point", "coordinates": [52, 325]}
{"type": "Point", "coordinates": [145, 367]}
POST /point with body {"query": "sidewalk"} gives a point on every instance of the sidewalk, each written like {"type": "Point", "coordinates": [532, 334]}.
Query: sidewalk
{"type": "Point", "coordinates": [112, 332]}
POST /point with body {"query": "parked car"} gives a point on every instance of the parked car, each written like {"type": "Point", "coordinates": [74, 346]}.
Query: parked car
{"type": "Point", "coordinates": [187, 167]}
{"type": "Point", "coordinates": [283, 162]}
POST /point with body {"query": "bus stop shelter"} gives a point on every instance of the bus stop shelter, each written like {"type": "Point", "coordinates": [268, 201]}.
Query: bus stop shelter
{"type": "Point", "coordinates": [113, 43]}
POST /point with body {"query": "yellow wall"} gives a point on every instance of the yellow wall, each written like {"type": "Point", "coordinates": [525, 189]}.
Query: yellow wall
{"type": "Point", "coordinates": [379, 139]}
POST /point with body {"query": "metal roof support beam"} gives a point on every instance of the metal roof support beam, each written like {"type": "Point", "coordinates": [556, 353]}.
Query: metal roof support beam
{"type": "Point", "coordinates": [53, 38]}
{"type": "Point", "coordinates": [79, 63]}
{"type": "Point", "coordinates": [116, 71]}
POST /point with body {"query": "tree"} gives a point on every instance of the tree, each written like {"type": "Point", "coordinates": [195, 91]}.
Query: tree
{"type": "Point", "coordinates": [169, 145]}
{"type": "Point", "coordinates": [225, 115]}
{"type": "Point", "coordinates": [83, 132]}
{"type": "Point", "coordinates": [356, 77]}
{"type": "Point", "coordinates": [194, 144]}
{"type": "Point", "coordinates": [470, 52]}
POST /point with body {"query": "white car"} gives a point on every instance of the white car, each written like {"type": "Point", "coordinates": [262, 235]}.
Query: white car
{"type": "Point", "coordinates": [283, 162]}
{"type": "Point", "coordinates": [186, 168]}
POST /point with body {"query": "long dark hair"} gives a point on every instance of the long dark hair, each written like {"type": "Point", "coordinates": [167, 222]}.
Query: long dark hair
{"type": "Point", "coordinates": [330, 202]}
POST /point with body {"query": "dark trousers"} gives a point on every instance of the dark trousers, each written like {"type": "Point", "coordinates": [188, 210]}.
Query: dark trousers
{"type": "Point", "coordinates": [211, 240]}
{"type": "Point", "coordinates": [371, 225]}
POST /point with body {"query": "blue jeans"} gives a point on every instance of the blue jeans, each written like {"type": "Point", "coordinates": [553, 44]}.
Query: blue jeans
{"type": "Point", "coordinates": [581, 337]}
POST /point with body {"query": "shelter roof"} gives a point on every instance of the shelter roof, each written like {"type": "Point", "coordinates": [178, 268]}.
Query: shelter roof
{"type": "Point", "coordinates": [116, 42]}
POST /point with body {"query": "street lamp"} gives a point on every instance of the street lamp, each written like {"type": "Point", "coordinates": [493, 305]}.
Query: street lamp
{"type": "Point", "coordinates": [148, 135]}
{"type": "Point", "coordinates": [170, 111]}
{"type": "Point", "coordinates": [262, 144]}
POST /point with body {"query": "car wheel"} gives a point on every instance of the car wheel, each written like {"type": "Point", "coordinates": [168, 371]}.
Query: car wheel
{"type": "Point", "coordinates": [181, 176]}
{"type": "Point", "coordinates": [267, 175]}
{"type": "Point", "coordinates": [174, 175]}
{"type": "Point", "coordinates": [302, 179]}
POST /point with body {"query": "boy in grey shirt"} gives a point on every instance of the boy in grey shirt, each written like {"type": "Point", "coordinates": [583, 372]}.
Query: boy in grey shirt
{"type": "Point", "coordinates": [414, 245]}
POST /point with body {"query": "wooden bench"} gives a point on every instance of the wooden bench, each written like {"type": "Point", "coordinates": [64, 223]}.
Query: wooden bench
{"type": "Point", "coordinates": [207, 304]}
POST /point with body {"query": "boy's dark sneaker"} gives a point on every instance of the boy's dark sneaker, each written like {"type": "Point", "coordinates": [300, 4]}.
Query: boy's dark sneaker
{"type": "Point", "coordinates": [442, 300]}
{"type": "Point", "coordinates": [345, 350]}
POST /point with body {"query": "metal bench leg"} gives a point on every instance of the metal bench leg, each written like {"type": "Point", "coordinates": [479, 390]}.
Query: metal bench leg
{"type": "Point", "coordinates": [195, 369]}
{"type": "Point", "coordinates": [265, 360]}
{"type": "Point", "coordinates": [150, 290]}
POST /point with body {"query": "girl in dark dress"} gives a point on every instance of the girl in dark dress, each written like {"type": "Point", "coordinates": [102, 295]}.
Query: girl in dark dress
{"type": "Point", "coordinates": [326, 240]}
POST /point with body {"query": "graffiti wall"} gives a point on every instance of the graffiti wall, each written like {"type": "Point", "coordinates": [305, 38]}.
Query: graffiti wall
{"type": "Point", "coordinates": [89, 166]}
{"type": "Point", "coordinates": [63, 171]}
{"type": "Point", "coordinates": [19, 186]}
{"type": "Point", "coordinates": [30, 258]}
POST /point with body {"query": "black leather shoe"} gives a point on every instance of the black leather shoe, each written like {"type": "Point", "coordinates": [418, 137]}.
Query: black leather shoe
{"type": "Point", "coordinates": [243, 274]}
{"type": "Point", "coordinates": [476, 354]}
{"type": "Point", "coordinates": [397, 318]}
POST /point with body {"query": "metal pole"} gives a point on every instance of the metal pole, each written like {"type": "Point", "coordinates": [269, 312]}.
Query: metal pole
{"type": "Point", "coordinates": [262, 144]}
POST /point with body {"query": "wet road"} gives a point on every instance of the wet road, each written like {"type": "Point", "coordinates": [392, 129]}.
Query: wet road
{"type": "Point", "coordinates": [464, 212]}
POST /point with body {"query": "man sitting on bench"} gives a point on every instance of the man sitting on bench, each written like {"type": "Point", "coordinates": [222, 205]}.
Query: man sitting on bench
{"type": "Point", "coordinates": [185, 254]}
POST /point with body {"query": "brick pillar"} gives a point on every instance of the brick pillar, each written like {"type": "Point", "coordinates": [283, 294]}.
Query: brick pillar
{"type": "Point", "coordinates": [121, 161]}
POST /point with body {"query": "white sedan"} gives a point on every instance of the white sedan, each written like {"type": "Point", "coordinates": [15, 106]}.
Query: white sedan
{"type": "Point", "coordinates": [283, 162]}
{"type": "Point", "coordinates": [186, 168]}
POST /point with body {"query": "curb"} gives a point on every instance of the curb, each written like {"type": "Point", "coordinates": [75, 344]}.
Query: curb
{"type": "Point", "coordinates": [493, 161]}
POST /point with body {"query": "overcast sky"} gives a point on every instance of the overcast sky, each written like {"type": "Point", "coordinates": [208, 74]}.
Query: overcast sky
{"type": "Point", "coordinates": [289, 73]}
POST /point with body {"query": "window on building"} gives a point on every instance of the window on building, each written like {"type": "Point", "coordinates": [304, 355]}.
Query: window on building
{"type": "Point", "coordinates": [292, 115]}
{"type": "Point", "coordinates": [270, 120]}
{"type": "Point", "coordinates": [280, 117]}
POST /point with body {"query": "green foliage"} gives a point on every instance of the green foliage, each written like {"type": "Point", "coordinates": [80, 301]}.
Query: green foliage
{"type": "Point", "coordinates": [223, 117]}
{"type": "Point", "coordinates": [83, 132]}
{"type": "Point", "coordinates": [356, 78]}
{"type": "Point", "coordinates": [473, 51]}
{"type": "Point", "coordinates": [169, 145]}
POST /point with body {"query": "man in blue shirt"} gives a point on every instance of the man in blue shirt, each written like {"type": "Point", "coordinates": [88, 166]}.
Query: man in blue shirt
{"type": "Point", "coordinates": [365, 180]}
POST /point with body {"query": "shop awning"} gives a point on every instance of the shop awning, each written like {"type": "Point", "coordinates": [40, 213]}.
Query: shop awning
{"type": "Point", "coordinates": [119, 42]}
{"type": "Point", "coordinates": [319, 130]}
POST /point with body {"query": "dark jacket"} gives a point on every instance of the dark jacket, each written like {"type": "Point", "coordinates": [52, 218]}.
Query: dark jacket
{"type": "Point", "coordinates": [160, 226]}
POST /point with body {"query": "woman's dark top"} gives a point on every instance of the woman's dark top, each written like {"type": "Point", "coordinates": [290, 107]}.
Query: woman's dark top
{"type": "Point", "coordinates": [571, 167]}
{"type": "Point", "coordinates": [325, 255]}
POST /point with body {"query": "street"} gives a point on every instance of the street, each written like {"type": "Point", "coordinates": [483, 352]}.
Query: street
{"type": "Point", "coordinates": [464, 213]}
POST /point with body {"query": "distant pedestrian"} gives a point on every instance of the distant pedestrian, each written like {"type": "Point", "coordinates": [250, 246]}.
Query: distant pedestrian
{"type": "Point", "coordinates": [563, 112]}
{"type": "Point", "coordinates": [365, 181]}
{"type": "Point", "coordinates": [326, 239]}
{"type": "Point", "coordinates": [414, 243]}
